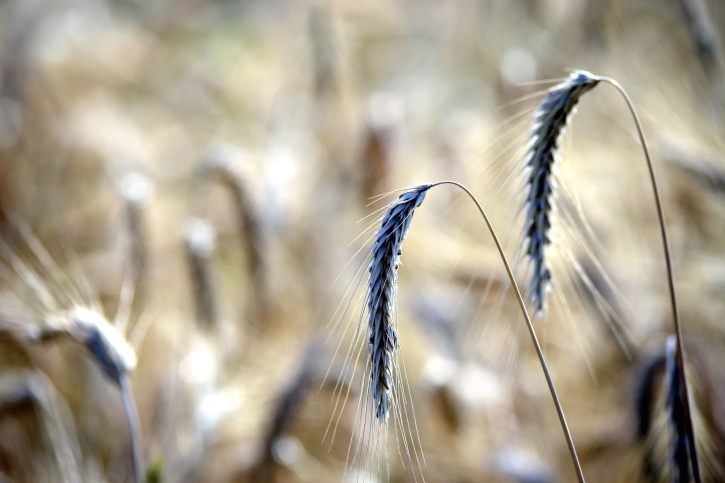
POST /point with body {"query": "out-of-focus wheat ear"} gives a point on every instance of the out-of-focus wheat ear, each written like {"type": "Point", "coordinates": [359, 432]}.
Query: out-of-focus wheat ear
{"type": "Point", "coordinates": [227, 165]}
{"type": "Point", "coordinates": [382, 291]}
{"type": "Point", "coordinates": [324, 51]}
{"type": "Point", "coordinates": [662, 430]}
{"type": "Point", "coordinates": [136, 190]}
{"type": "Point", "coordinates": [374, 160]}
{"type": "Point", "coordinates": [117, 359]}
{"type": "Point", "coordinates": [705, 40]}
{"type": "Point", "coordinates": [26, 19]}
{"type": "Point", "coordinates": [680, 457]}
{"type": "Point", "coordinates": [646, 395]}
{"type": "Point", "coordinates": [21, 388]}
{"type": "Point", "coordinates": [689, 426]}
{"type": "Point", "coordinates": [283, 412]}
{"type": "Point", "coordinates": [331, 77]}
{"type": "Point", "coordinates": [547, 132]}
{"type": "Point", "coordinates": [200, 239]}
{"type": "Point", "coordinates": [112, 352]}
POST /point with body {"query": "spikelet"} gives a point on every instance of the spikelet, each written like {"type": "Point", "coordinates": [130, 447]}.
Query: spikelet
{"type": "Point", "coordinates": [548, 130]}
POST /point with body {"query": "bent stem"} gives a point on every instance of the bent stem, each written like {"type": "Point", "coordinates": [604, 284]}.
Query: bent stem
{"type": "Point", "coordinates": [670, 280]}
{"type": "Point", "coordinates": [129, 408]}
{"type": "Point", "coordinates": [532, 332]}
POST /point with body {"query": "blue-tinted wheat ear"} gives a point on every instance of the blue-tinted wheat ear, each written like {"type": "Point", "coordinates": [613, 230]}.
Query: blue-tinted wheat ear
{"type": "Point", "coordinates": [676, 411]}
{"type": "Point", "coordinates": [544, 150]}
{"type": "Point", "coordinates": [382, 290]}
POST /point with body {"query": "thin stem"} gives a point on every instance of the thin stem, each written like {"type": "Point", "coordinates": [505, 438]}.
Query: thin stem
{"type": "Point", "coordinates": [129, 408]}
{"type": "Point", "coordinates": [670, 280]}
{"type": "Point", "coordinates": [532, 332]}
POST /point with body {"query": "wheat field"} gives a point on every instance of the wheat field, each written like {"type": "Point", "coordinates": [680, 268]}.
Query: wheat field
{"type": "Point", "coordinates": [189, 189]}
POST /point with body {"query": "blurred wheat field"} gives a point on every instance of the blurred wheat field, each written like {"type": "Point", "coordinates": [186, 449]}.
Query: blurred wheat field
{"type": "Point", "coordinates": [199, 169]}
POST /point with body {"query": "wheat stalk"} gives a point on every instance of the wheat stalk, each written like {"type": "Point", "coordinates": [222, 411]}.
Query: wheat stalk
{"type": "Point", "coordinates": [689, 427]}
{"type": "Point", "coordinates": [532, 333]}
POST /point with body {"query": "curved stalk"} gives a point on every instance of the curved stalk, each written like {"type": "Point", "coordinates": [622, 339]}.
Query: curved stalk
{"type": "Point", "coordinates": [670, 280]}
{"type": "Point", "coordinates": [532, 332]}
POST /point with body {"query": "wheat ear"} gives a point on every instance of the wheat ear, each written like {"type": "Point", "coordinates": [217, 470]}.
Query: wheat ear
{"type": "Point", "coordinates": [117, 359]}
{"type": "Point", "coordinates": [382, 290]}
{"type": "Point", "coordinates": [547, 132]}
{"type": "Point", "coordinates": [63, 316]}
{"type": "Point", "coordinates": [670, 280]}
{"type": "Point", "coordinates": [113, 354]}
{"type": "Point", "coordinates": [135, 191]}
{"type": "Point", "coordinates": [200, 240]}
{"type": "Point", "coordinates": [676, 411]}
{"type": "Point", "coordinates": [222, 165]}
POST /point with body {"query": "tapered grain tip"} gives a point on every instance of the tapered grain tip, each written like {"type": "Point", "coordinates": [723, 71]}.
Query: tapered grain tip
{"type": "Point", "coordinates": [546, 134]}
{"type": "Point", "coordinates": [382, 290]}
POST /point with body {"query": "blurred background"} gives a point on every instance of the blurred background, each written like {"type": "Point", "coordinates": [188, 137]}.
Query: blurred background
{"type": "Point", "coordinates": [216, 156]}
